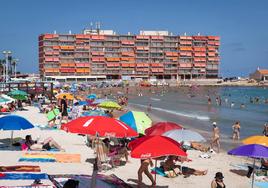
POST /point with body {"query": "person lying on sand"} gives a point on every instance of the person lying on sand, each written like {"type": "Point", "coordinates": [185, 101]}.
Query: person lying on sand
{"type": "Point", "coordinates": [47, 144]}
{"type": "Point", "coordinates": [170, 165]}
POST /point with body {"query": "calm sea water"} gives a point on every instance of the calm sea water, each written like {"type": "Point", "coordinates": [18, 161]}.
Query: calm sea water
{"type": "Point", "coordinates": [189, 107]}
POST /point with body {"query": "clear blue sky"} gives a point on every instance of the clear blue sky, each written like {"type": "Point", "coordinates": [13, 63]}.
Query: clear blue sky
{"type": "Point", "coordinates": [241, 24]}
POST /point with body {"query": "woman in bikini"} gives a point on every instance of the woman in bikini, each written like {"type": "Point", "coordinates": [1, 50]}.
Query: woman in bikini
{"type": "Point", "coordinates": [236, 130]}
{"type": "Point", "coordinates": [215, 137]}
{"type": "Point", "coordinates": [144, 168]}
{"type": "Point", "coordinates": [218, 181]}
{"type": "Point", "coordinates": [47, 144]}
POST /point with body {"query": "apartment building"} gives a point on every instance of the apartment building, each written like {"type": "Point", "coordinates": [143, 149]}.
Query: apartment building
{"type": "Point", "coordinates": [105, 54]}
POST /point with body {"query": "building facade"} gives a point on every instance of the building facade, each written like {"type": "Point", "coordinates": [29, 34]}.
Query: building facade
{"type": "Point", "coordinates": [260, 75]}
{"type": "Point", "coordinates": [105, 54]}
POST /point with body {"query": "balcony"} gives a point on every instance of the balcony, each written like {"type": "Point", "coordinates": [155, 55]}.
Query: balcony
{"type": "Point", "coordinates": [172, 54]}
{"type": "Point", "coordinates": [97, 37]}
{"type": "Point", "coordinates": [184, 48]}
{"type": "Point", "coordinates": [112, 59]}
{"type": "Point", "coordinates": [128, 54]}
{"type": "Point", "coordinates": [127, 42]}
{"type": "Point", "coordinates": [199, 54]}
{"type": "Point", "coordinates": [98, 59]}
{"type": "Point", "coordinates": [142, 37]}
{"type": "Point", "coordinates": [127, 59]}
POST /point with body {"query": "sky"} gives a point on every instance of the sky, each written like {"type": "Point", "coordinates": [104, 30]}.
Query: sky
{"type": "Point", "coordinates": [241, 24]}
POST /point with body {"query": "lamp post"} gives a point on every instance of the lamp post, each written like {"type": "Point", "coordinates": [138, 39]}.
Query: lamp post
{"type": "Point", "coordinates": [6, 53]}
{"type": "Point", "coordinates": [14, 63]}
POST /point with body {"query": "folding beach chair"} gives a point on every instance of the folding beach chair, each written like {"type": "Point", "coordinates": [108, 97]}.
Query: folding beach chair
{"type": "Point", "coordinates": [105, 158]}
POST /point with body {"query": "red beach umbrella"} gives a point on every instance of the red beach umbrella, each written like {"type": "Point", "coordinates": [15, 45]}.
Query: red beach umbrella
{"type": "Point", "coordinates": [101, 125]}
{"type": "Point", "coordinates": [155, 146]}
{"type": "Point", "coordinates": [161, 127]}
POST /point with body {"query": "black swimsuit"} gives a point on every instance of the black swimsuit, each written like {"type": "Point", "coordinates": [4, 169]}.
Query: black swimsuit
{"type": "Point", "coordinates": [219, 185]}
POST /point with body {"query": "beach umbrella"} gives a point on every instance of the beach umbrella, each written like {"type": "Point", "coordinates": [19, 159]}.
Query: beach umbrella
{"type": "Point", "coordinates": [94, 113]}
{"type": "Point", "coordinates": [154, 147]}
{"type": "Point", "coordinates": [69, 96]}
{"type": "Point", "coordinates": [164, 146]}
{"type": "Point", "coordinates": [98, 101]}
{"type": "Point", "coordinates": [17, 92]}
{"type": "Point", "coordinates": [252, 150]}
{"type": "Point", "coordinates": [109, 105]}
{"type": "Point", "coordinates": [138, 121]}
{"type": "Point", "coordinates": [14, 122]}
{"type": "Point", "coordinates": [82, 103]}
{"type": "Point", "coordinates": [184, 135]}
{"type": "Point", "coordinates": [261, 140]}
{"type": "Point", "coordinates": [92, 96]}
{"type": "Point", "coordinates": [99, 125]}
{"type": "Point", "coordinates": [161, 127]}
{"type": "Point", "coordinates": [19, 97]}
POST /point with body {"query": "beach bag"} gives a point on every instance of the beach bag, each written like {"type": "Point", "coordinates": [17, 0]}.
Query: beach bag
{"type": "Point", "coordinates": [171, 174]}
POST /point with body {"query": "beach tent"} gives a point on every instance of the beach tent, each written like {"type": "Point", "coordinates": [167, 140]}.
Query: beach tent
{"type": "Point", "coordinates": [254, 151]}
{"type": "Point", "coordinates": [14, 122]}
{"type": "Point", "coordinates": [161, 127]}
{"type": "Point", "coordinates": [184, 135]}
{"type": "Point", "coordinates": [262, 140]}
{"type": "Point", "coordinates": [138, 121]}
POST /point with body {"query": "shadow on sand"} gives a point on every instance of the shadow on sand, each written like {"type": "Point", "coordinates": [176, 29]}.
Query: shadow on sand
{"type": "Point", "coordinates": [135, 181]}
{"type": "Point", "coordinates": [5, 144]}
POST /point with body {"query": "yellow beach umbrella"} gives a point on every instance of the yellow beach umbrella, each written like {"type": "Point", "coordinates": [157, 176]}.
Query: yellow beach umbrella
{"type": "Point", "coordinates": [69, 96]}
{"type": "Point", "coordinates": [109, 105]}
{"type": "Point", "coordinates": [261, 140]}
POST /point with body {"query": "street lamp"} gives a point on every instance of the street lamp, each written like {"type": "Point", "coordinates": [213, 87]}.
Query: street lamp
{"type": "Point", "coordinates": [14, 63]}
{"type": "Point", "coordinates": [6, 53]}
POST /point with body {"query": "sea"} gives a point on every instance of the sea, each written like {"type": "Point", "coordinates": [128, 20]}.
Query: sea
{"type": "Point", "coordinates": [189, 107]}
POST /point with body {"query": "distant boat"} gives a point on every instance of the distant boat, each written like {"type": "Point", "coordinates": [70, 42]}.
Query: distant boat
{"type": "Point", "coordinates": [155, 99]}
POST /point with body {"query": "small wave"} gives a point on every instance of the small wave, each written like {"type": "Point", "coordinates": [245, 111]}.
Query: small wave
{"type": "Point", "coordinates": [203, 118]}
{"type": "Point", "coordinates": [155, 99]}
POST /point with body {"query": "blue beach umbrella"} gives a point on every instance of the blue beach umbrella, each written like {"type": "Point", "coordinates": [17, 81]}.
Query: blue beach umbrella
{"type": "Point", "coordinates": [138, 121]}
{"type": "Point", "coordinates": [92, 96]}
{"type": "Point", "coordinates": [94, 113]}
{"type": "Point", "coordinates": [14, 122]}
{"type": "Point", "coordinates": [81, 103]}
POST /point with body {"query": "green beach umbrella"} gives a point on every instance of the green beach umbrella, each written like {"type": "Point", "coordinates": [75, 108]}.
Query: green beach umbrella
{"type": "Point", "coordinates": [19, 97]}
{"type": "Point", "coordinates": [138, 121]}
{"type": "Point", "coordinates": [109, 105]}
{"type": "Point", "coordinates": [17, 92]}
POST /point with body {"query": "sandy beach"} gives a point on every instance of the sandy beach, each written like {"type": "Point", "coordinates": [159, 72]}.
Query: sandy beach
{"type": "Point", "coordinates": [76, 144]}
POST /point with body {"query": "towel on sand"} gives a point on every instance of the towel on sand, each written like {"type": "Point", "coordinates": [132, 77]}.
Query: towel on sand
{"type": "Point", "coordinates": [22, 176]}
{"type": "Point", "coordinates": [51, 157]}
{"type": "Point", "coordinates": [20, 168]}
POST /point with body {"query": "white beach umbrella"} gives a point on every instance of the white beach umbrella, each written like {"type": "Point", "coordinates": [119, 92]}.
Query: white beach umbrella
{"type": "Point", "coordinates": [184, 135]}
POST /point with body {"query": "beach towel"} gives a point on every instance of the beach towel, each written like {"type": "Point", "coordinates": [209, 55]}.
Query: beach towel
{"type": "Point", "coordinates": [22, 176]}
{"type": "Point", "coordinates": [51, 157]}
{"type": "Point", "coordinates": [103, 181]}
{"type": "Point", "coordinates": [20, 168]}
{"type": "Point", "coordinates": [261, 184]}
{"type": "Point", "coordinates": [159, 171]}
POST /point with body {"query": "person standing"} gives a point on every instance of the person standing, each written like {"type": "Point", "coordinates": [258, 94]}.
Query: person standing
{"type": "Point", "coordinates": [215, 137]}
{"type": "Point", "coordinates": [218, 181]}
{"type": "Point", "coordinates": [64, 107]}
{"type": "Point", "coordinates": [265, 129]}
{"type": "Point", "coordinates": [236, 130]}
{"type": "Point", "coordinates": [144, 168]}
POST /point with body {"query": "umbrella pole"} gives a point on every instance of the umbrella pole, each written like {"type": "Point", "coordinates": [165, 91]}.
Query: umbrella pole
{"type": "Point", "coordinates": [155, 173]}
{"type": "Point", "coordinates": [252, 183]}
{"type": "Point", "coordinates": [11, 139]}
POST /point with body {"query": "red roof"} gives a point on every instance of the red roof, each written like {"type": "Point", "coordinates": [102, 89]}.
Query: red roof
{"type": "Point", "coordinates": [263, 71]}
